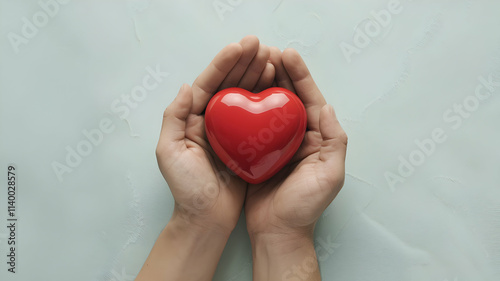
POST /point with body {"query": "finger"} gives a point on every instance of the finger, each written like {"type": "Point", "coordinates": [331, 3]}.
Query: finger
{"type": "Point", "coordinates": [250, 45]}
{"type": "Point", "coordinates": [266, 79]}
{"type": "Point", "coordinates": [210, 79]}
{"type": "Point", "coordinates": [281, 76]}
{"type": "Point", "coordinates": [334, 139]}
{"type": "Point", "coordinates": [310, 145]}
{"type": "Point", "coordinates": [174, 118]}
{"type": "Point", "coordinates": [254, 70]}
{"type": "Point", "coordinates": [305, 87]}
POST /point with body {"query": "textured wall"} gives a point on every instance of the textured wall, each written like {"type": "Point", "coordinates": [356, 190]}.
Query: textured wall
{"type": "Point", "coordinates": [415, 84]}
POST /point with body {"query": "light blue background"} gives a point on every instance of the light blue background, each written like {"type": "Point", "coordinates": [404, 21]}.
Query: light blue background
{"type": "Point", "coordinates": [100, 222]}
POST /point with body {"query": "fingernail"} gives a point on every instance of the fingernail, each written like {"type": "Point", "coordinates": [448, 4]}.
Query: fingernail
{"type": "Point", "coordinates": [183, 86]}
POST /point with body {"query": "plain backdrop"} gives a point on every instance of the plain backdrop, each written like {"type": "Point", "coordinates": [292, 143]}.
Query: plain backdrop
{"type": "Point", "coordinates": [415, 84]}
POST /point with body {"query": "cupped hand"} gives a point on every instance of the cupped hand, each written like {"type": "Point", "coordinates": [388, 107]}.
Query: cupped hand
{"type": "Point", "coordinates": [205, 193]}
{"type": "Point", "coordinates": [292, 201]}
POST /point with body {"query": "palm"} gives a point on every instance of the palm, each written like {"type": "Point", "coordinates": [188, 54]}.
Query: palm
{"type": "Point", "coordinates": [203, 189]}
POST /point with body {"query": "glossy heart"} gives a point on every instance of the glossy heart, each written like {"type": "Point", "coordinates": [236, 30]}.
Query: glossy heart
{"type": "Point", "coordinates": [255, 135]}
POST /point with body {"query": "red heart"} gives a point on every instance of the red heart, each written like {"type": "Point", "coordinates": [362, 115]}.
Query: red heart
{"type": "Point", "coordinates": [255, 135]}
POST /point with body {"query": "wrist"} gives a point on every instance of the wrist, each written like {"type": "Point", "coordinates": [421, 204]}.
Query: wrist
{"type": "Point", "coordinates": [181, 247]}
{"type": "Point", "coordinates": [282, 243]}
{"type": "Point", "coordinates": [193, 228]}
{"type": "Point", "coordinates": [279, 256]}
{"type": "Point", "coordinates": [200, 221]}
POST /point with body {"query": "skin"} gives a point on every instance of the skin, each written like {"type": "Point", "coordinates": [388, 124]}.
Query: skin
{"type": "Point", "coordinates": [282, 212]}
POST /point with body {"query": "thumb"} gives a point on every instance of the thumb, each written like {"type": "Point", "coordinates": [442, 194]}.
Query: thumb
{"type": "Point", "coordinates": [334, 144]}
{"type": "Point", "coordinates": [174, 118]}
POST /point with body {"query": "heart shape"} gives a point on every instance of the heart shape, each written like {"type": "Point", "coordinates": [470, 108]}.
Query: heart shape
{"type": "Point", "coordinates": [255, 135]}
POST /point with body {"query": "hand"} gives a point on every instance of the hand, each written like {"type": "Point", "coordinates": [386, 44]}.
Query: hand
{"type": "Point", "coordinates": [204, 193]}
{"type": "Point", "coordinates": [281, 213]}
{"type": "Point", "coordinates": [208, 200]}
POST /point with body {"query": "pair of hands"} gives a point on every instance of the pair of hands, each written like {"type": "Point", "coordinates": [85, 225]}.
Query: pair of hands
{"type": "Point", "coordinates": [208, 197]}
